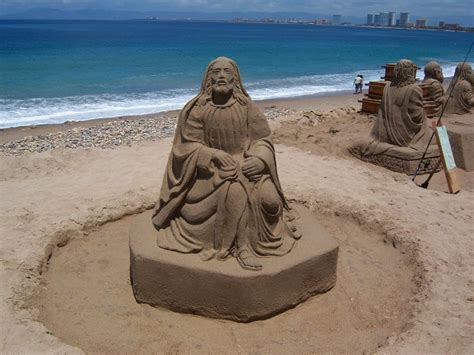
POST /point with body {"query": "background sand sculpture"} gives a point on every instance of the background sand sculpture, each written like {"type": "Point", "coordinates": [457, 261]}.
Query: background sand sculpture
{"type": "Point", "coordinates": [460, 90]}
{"type": "Point", "coordinates": [434, 78]}
{"type": "Point", "coordinates": [400, 133]}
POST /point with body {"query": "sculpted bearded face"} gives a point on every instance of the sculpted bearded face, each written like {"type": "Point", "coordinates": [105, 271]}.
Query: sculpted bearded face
{"type": "Point", "coordinates": [469, 74]}
{"type": "Point", "coordinates": [463, 71]}
{"type": "Point", "coordinates": [434, 70]}
{"type": "Point", "coordinates": [437, 73]}
{"type": "Point", "coordinates": [222, 78]}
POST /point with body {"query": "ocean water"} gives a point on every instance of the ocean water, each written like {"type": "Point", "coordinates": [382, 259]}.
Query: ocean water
{"type": "Point", "coordinates": [54, 71]}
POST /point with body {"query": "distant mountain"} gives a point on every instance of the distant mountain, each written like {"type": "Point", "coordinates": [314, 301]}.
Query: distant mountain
{"type": "Point", "coordinates": [86, 14]}
{"type": "Point", "coordinates": [102, 14]}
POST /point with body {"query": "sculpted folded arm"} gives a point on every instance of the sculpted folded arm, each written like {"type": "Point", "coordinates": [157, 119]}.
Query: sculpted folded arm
{"type": "Point", "coordinates": [253, 167]}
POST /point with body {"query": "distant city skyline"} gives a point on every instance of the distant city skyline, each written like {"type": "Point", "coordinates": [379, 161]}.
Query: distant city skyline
{"type": "Point", "coordinates": [342, 7]}
{"type": "Point", "coordinates": [353, 11]}
{"type": "Point", "coordinates": [383, 19]}
{"type": "Point", "coordinates": [392, 19]}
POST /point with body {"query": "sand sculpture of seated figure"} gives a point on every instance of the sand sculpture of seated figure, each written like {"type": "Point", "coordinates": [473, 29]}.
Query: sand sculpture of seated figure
{"type": "Point", "coordinates": [221, 195]}
{"type": "Point", "coordinates": [434, 78]}
{"type": "Point", "coordinates": [460, 90]}
{"type": "Point", "coordinates": [401, 130]}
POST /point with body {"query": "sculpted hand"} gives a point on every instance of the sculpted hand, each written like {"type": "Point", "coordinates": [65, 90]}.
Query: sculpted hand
{"type": "Point", "coordinates": [223, 159]}
{"type": "Point", "coordinates": [252, 167]}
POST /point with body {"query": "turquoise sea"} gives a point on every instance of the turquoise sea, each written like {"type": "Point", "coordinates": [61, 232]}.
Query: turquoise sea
{"type": "Point", "coordinates": [53, 71]}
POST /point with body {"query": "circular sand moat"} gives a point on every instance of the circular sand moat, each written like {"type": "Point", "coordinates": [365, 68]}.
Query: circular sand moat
{"type": "Point", "coordinates": [86, 300]}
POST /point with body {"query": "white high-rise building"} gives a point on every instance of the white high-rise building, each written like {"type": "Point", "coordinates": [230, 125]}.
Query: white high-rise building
{"type": "Point", "coordinates": [391, 19]}
{"type": "Point", "coordinates": [377, 19]}
{"type": "Point", "coordinates": [404, 19]}
{"type": "Point", "coordinates": [384, 19]}
{"type": "Point", "coordinates": [370, 19]}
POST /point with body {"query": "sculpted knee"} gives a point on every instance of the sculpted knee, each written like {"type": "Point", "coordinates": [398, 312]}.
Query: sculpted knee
{"type": "Point", "coordinates": [271, 201]}
{"type": "Point", "coordinates": [236, 195]}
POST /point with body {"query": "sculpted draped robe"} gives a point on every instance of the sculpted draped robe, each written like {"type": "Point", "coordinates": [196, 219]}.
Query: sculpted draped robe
{"type": "Point", "coordinates": [209, 210]}
{"type": "Point", "coordinates": [462, 98]}
{"type": "Point", "coordinates": [436, 94]}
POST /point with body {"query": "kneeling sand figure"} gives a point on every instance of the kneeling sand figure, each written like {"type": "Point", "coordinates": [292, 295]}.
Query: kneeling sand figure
{"type": "Point", "coordinates": [460, 90]}
{"type": "Point", "coordinates": [400, 133]}
{"type": "Point", "coordinates": [434, 78]}
{"type": "Point", "coordinates": [221, 195]}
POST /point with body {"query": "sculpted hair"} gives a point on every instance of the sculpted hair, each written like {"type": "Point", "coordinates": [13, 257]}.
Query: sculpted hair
{"type": "Point", "coordinates": [404, 73]}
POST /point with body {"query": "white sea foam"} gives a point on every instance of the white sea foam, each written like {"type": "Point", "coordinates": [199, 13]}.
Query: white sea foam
{"type": "Point", "coordinates": [78, 108]}
{"type": "Point", "coordinates": [15, 112]}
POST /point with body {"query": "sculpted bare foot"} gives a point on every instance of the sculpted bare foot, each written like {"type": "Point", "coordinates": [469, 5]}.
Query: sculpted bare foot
{"type": "Point", "coordinates": [247, 260]}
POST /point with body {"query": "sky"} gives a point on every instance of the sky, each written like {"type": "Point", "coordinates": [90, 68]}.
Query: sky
{"type": "Point", "coordinates": [343, 7]}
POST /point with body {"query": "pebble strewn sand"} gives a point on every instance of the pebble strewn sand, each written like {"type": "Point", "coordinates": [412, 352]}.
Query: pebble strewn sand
{"type": "Point", "coordinates": [106, 136]}
{"type": "Point", "coordinates": [109, 134]}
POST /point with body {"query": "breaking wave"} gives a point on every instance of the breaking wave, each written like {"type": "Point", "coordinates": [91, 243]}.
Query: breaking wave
{"type": "Point", "coordinates": [24, 112]}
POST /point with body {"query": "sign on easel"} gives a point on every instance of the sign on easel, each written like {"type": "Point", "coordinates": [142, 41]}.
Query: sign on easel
{"type": "Point", "coordinates": [447, 158]}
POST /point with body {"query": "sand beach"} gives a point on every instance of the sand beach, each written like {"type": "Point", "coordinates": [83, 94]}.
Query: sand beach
{"type": "Point", "coordinates": [70, 191]}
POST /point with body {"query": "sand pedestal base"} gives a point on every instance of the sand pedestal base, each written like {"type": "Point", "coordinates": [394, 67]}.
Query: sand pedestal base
{"type": "Point", "coordinates": [222, 289]}
{"type": "Point", "coordinates": [402, 159]}
{"type": "Point", "coordinates": [461, 138]}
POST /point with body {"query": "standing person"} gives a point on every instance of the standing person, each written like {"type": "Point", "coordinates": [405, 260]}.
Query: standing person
{"type": "Point", "coordinates": [358, 83]}
{"type": "Point", "coordinates": [361, 83]}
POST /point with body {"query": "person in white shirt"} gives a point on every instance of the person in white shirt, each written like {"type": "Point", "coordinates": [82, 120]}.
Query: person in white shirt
{"type": "Point", "coordinates": [358, 82]}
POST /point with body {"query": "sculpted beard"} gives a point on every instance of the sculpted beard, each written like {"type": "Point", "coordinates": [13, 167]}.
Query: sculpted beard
{"type": "Point", "coordinates": [439, 76]}
{"type": "Point", "coordinates": [222, 89]}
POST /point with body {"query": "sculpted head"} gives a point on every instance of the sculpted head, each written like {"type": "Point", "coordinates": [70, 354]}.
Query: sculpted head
{"type": "Point", "coordinates": [463, 71]}
{"type": "Point", "coordinates": [222, 80]}
{"type": "Point", "coordinates": [222, 77]}
{"type": "Point", "coordinates": [433, 70]}
{"type": "Point", "coordinates": [404, 73]}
